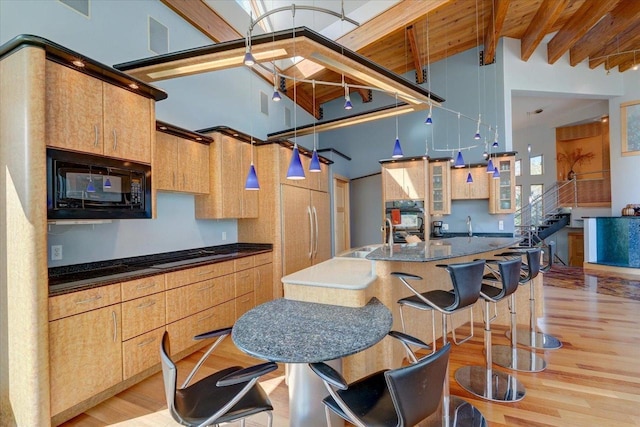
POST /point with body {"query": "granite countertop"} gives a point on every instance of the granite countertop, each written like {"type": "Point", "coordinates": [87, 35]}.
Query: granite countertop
{"type": "Point", "coordinates": [77, 277]}
{"type": "Point", "coordinates": [343, 273]}
{"type": "Point", "coordinates": [290, 331]}
{"type": "Point", "coordinates": [441, 249]}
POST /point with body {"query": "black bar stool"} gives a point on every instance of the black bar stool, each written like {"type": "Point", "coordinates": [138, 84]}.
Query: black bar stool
{"type": "Point", "coordinates": [467, 281]}
{"type": "Point", "coordinates": [511, 356]}
{"type": "Point", "coordinates": [483, 381]}
{"type": "Point", "coordinates": [531, 337]}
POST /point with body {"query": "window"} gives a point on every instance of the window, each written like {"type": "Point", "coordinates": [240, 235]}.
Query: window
{"type": "Point", "coordinates": [518, 195]}
{"type": "Point", "coordinates": [535, 165]}
{"type": "Point", "coordinates": [535, 200]}
{"type": "Point", "coordinates": [518, 167]}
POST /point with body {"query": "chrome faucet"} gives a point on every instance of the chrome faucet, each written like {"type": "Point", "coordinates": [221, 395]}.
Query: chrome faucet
{"type": "Point", "coordinates": [469, 229]}
{"type": "Point", "coordinates": [389, 227]}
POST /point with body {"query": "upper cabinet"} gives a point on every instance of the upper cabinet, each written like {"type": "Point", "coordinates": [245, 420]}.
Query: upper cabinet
{"type": "Point", "coordinates": [404, 180]}
{"type": "Point", "coordinates": [86, 114]}
{"type": "Point", "coordinates": [180, 164]}
{"type": "Point", "coordinates": [461, 189]}
{"type": "Point", "coordinates": [502, 195]}
{"type": "Point", "coordinates": [440, 185]}
{"type": "Point", "coordinates": [229, 160]}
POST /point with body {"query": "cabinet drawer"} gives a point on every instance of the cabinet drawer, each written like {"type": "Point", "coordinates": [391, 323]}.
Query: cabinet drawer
{"type": "Point", "coordinates": [198, 274]}
{"type": "Point", "coordinates": [244, 282]}
{"type": "Point", "coordinates": [142, 315]}
{"type": "Point", "coordinates": [185, 301]}
{"type": "Point", "coordinates": [261, 259]}
{"type": "Point", "coordinates": [142, 287]}
{"type": "Point", "coordinates": [79, 302]}
{"type": "Point", "coordinates": [141, 353]}
{"type": "Point", "coordinates": [181, 333]}
{"type": "Point", "coordinates": [243, 263]}
{"type": "Point", "coordinates": [244, 303]}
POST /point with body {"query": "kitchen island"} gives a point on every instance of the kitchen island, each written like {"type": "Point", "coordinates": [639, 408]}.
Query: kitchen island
{"type": "Point", "coordinates": [316, 284]}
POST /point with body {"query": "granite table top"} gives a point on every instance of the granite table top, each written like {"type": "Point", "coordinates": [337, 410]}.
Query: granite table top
{"type": "Point", "coordinates": [291, 331]}
{"type": "Point", "coordinates": [441, 249]}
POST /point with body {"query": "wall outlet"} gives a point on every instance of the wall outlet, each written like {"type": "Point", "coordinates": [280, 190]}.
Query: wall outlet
{"type": "Point", "coordinates": [224, 235]}
{"type": "Point", "coordinates": [500, 225]}
{"type": "Point", "coordinates": [56, 252]}
{"type": "Point", "coordinates": [445, 227]}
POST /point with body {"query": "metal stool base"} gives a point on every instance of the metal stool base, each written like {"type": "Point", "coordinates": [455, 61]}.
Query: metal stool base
{"type": "Point", "coordinates": [502, 387]}
{"type": "Point", "coordinates": [525, 361]}
{"type": "Point", "coordinates": [537, 340]}
{"type": "Point", "coordinates": [461, 414]}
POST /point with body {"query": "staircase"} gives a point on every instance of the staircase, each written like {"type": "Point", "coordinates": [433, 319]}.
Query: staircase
{"type": "Point", "coordinates": [546, 214]}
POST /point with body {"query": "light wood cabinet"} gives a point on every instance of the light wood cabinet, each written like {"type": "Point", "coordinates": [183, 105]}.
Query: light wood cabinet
{"type": "Point", "coordinates": [462, 190]}
{"type": "Point", "coordinates": [502, 199]}
{"type": "Point", "coordinates": [141, 352]}
{"type": "Point", "coordinates": [180, 164]}
{"type": "Point", "coordinates": [404, 180]}
{"type": "Point", "coordinates": [229, 161]}
{"type": "Point", "coordinates": [187, 300]}
{"type": "Point", "coordinates": [86, 114]}
{"type": "Point", "coordinates": [306, 229]}
{"type": "Point", "coordinates": [263, 283]}
{"type": "Point", "coordinates": [85, 356]}
{"type": "Point", "coordinates": [440, 187]}
{"type": "Point", "coordinates": [141, 315]}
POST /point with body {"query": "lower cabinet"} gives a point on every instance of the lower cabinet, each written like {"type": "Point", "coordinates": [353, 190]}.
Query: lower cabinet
{"type": "Point", "coordinates": [85, 356]}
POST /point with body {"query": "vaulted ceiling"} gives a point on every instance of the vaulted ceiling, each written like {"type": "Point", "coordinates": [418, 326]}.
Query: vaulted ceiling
{"type": "Point", "coordinates": [409, 33]}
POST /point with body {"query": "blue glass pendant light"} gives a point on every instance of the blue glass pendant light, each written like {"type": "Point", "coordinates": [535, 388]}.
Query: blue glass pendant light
{"type": "Point", "coordinates": [397, 150]}
{"type": "Point", "coordinates": [295, 170]}
{"type": "Point", "coordinates": [496, 173]}
{"type": "Point", "coordinates": [490, 167]}
{"type": "Point", "coordinates": [276, 93]}
{"type": "Point", "coordinates": [107, 183]}
{"type": "Point", "coordinates": [469, 178]}
{"type": "Point", "coordinates": [252, 179]}
{"type": "Point", "coordinates": [459, 163]}
{"type": "Point", "coordinates": [315, 162]}
{"type": "Point", "coordinates": [429, 121]}
{"type": "Point", "coordinates": [90, 187]}
{"type": "Point", "coordinates": [314, 166]}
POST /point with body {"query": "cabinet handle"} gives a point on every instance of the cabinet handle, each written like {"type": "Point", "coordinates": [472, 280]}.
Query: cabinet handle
{"type": "Point", "coordinates": [310, 232]}
{"type": "Point", "coordinates": [115, 326]}
{"type": "Point", "coordinates": [202, 273]}
{"type": "Point", "coordinates": [173, 178]}
{"type": "Point", "coordinates": [205, 317]}
{"type": "Point", "coordinates": [206, 287]}
{"type": "Point", "coordinates": [146, 304]}
{"type": "Point", "coordinates": [146, 342]}
{"type": "Point", "coordinates": [150, 285]}
{"type": "Point", "coordinates": [245, 300]}
{"type": "Point", "coordinates": [184, 180]}
{"type": "Point", "coordinates": [259, 277]}
{"type": "Point", "coordinates": [97, 134]}
{"type": "Point", "coordinates": [315, 217]}
{"type": "Point", "coordinates": [88, 300]}
{"type": "Point", "coordinates": [115, 140]}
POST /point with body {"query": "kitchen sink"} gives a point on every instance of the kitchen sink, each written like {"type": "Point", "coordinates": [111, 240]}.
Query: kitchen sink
{"type": "Point", "coordinates": [360, 252]}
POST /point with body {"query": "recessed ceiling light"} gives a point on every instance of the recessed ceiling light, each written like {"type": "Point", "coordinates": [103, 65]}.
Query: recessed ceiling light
{"type": "Point", "coordinates": [133, 86]}
{"type": "Point", "coordinates": [78, 63]}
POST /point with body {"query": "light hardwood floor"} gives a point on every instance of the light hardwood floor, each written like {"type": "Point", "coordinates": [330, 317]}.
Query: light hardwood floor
{"type": "Point", "coordinates": [593, 380]}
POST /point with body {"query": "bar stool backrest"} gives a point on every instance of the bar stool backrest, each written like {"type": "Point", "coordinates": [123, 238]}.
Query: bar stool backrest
{"type": "Point", "coordinates": [552, 253]}
{"type": "Point", "coordinates": [467, 282]}
{"type": "Point", "coordinates": [510, 276]}
{"type": "Point", "coordinates": [533, 265]}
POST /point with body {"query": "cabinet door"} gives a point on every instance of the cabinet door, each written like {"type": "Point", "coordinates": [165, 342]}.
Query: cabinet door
{"type": "Point", "coordinates": [85, 355]}
{"type": "Point", "coordinates": [479, 189]}
{"type": "Point", "coordinates": [73, 116]}
{"type": "Point", "coordinates": [249, 197]}
{"type": "Point", "coordinates": [231, 179]}
{"type": "Point", "coordinates": [296, 229]}
{"type": "Point", "coordinates": [127, 124]}
{"type": "Point", "coordinates": [393, 181]}
{"type": "Point", "coordinates": [439, 178]}
{"type": "Point", "coordinates": [502, 195]}
{"type": "Point", "coordinates": [263, 283]}
{"type": "Point", "coordinates": [459, 186]}
{"type": "Point", "coordinates": [414, 180]}
{"type": "Point", "coordinates": [244, 303]}
{"type": "Point", "coordinates": [142, 315]}
{"type": "Point", "coordinates": [165, 162]}
{"type": "Point", "coordinates": [193, 166]}
{"type": "Point", "coordinates": [321, 216]}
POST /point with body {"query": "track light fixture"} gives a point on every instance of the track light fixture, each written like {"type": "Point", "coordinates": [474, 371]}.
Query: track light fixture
{"type": "Point", "coordinates": [397, 150]}
{"type": "Point", "coordinates": [347, 98]}
{"type": "Point", "coordinates": [429, 121]}
{"type": "Point", "coordinates": [276, 93]}
{"type": "Point", "coordinates": [477, 135]}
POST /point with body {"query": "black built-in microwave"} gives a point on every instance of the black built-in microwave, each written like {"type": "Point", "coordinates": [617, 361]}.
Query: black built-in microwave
{"type": "Point", "coordinates": [86, 186]}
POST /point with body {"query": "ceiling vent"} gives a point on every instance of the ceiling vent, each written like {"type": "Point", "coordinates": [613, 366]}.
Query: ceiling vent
{"type": "Point", "coordinates": [158, 37]}
{"type": "Point", "coordinates": [80, 6]}
{"type": "Point", "coordinates": [287, 117]}
{"type": "Point", "coordinates": [264, 103]}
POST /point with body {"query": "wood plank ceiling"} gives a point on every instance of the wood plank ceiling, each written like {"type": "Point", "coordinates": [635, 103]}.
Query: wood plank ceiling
{"type": "Point", "coordinates": [602, 32]}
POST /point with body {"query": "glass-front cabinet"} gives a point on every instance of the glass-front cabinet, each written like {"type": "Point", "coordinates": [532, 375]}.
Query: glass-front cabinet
{"type": "Point", "coordinates": [502, 194]}
{"type": "Point", "coordinates": [440, 192]}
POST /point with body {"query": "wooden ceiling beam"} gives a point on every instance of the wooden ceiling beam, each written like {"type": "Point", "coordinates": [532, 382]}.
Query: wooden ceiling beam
{"type": "Point", "coordinates": [629, 62]}
{"type": "Point", "coordinates": [625, 41]}
{"type": "Point", "coordinates": [545, 17]}
{"type": "Point", "coordinates": [205, 19]}
{"type": "Point", "coordinates": [494, 28]}
{"type": "Point", "coordinates": [622, 16]}
{"type": "Point", "coordinates": [415, 52]}
{"type": "Point", "coordinates": [577, 26]}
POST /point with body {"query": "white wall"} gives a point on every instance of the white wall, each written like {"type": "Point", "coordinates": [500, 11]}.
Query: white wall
{"type": "Point", "coordinates": [116, 32]}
